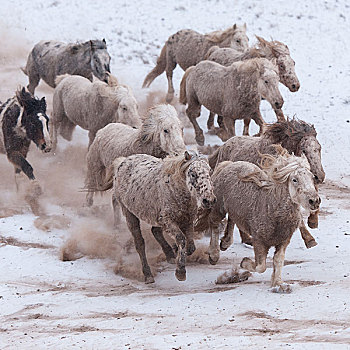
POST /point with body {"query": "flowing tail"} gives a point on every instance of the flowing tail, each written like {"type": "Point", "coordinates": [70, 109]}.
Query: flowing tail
{"type": "Point", "coordinates": [158, 69]}
{"type": "Point", "coordinates": [183, 97]}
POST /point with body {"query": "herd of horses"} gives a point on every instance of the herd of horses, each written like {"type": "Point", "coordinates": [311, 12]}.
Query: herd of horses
{"type": "Point", "coordinates": [259, 183]}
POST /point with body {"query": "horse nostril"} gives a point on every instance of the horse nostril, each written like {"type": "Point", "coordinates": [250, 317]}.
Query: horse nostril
{"type": "Point", "coordinates": [294, 86]}
{"type": "Point", "coordinates": [319, 200]}
{"type": "Point", "coordinates": [311, 201]}
{"type": "Point", "coordinates": [277, 105]}
{"type": "Point", "coordinates": [43, 146]}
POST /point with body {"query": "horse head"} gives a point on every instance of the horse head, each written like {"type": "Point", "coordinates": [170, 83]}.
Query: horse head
{"type": "Point", "coordinates": [198, 180]}
{"type": "Point", "coordinates": [34, 119]}
{"type": "Point", "coordinates": [100, 59]}
{"type": "Point", "coordinates": [268, 83]}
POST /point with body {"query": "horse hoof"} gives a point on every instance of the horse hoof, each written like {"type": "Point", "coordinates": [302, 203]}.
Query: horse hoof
{"type": "Point", "coordinates": [224, 245]}
{"type": "Point", "coordinates": [311, 223]}
{"type": "Point", "coordinates": [200, 140]}
{"type": "Point", "coordinates": [311, 244]}
{"type": "Point", "coordinates": [181, 275]}
{"type": "Point", "coordinates": [213, 261]}
{"type": "Point", "coordinates": [191, 248]}
{"type": "Point", "coordinates": [149, 279]}
{"type": "Point", "coordinates": [247, 242]}
{"type": "Point", "coordinates": [283, 288]}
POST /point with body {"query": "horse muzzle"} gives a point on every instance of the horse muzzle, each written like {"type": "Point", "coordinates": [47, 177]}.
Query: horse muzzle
{"type": "Point", "coordinates": [207, 204]}
{"type": "Point", "coordinates": [314, 203]}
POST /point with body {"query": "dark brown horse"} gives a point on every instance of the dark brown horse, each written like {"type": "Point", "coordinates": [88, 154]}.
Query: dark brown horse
{"type": "Point", "coordinates": [23, 119]}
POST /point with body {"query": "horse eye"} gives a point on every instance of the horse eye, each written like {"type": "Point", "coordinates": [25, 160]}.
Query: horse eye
{"type": "Point", "coordinates": [266, 82]}
{"type": "Point", "coordinates": [238, 41]}
{"type": "Point", "coordinates": [166, 131]}
{"type": "Point", "coordinates": [295, 180]}
{"type": "Point", "coordinates": [124, 108]}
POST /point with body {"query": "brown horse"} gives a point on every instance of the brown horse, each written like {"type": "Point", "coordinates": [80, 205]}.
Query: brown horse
{"type": "Point", "coordinates": [188, 47]}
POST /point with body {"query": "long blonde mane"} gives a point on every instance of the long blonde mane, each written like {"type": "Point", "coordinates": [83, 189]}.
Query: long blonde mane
{"type": "Point", "coordinates": [277, 168]}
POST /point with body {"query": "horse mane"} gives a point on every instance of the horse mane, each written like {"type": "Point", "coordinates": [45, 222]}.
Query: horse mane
{"type": "Point", "coordinates": [219, 36]}
{"type": "Point", "coordinates": [87, 46]}
{"type": "Point", "coordinates": [152, 121]}
{"type": "Point", "coordinates": [272, 48]}
{"type": "Point", "coordinates": [254, 66]}
{"type": "Point", "coordinates": [277, 168]}
{"type": "Point", "coordinates": [289, 133]}
{"type": "Point", "coordinates": [177, 166]}
{"type": "Point", "coordinates": [27, 100]}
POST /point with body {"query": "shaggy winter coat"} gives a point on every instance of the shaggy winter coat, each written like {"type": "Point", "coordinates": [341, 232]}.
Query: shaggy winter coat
{"type": "Point", "coordinates": [49, 59]}
{"type": "Point", "coordinates": [77, 101]}
{"type": "Point", "coordinates": [160, 135]}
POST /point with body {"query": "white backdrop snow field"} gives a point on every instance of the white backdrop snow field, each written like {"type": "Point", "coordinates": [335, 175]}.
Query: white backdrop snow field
{"type": "Point", "coordinates": [47, 303]}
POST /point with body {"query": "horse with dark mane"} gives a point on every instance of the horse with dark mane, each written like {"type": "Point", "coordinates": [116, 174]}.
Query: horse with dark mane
{"type": "Point", "coordinates": [48, 59]}
{"type": "Point", "coordinates": [296, 136]}
{"type": "Point", "coordinates": [23, 119]}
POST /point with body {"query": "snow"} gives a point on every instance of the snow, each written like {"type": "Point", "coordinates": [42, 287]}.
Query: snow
{"type": "Point", "coordinates": [47, 303]}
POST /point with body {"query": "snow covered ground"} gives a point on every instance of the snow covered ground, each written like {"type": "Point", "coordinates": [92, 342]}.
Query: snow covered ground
{"type": "Point", "coordinates": [47, 303]}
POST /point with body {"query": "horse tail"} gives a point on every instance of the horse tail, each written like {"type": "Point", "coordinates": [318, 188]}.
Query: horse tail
{"type": "Point", "coordinates": [24, 70]}
{"type": "Point", "coordinates": [210, 51]}
{"type": "Point", "coordinates": [183, 97]}
{"type": "Point", "coordinates": [110, 173]}
{"type": "Point", "coordinates": [59, 78]}
{"type": "Point", "coordinates": [158, 69]}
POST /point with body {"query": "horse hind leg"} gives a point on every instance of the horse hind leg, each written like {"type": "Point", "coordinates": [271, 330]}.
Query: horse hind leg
{"type": "Point", "coordinates": [260, 252]}
{"type": "Point", "coordinates": [227, 239]}
{"type": "Point", "coordinates": [168, 251]}
{"type": "Point", "coordinates": [134, 226]}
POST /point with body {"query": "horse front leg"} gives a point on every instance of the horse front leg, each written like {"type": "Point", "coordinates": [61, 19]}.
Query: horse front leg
{"type": "Point", "coordinates": [309, 240]}
{"type": "Point", "coordinates": [260, 252]}
{"type": "Point", "coordinates": [278, 261]}
{"type": "Point", "coordinates": [214, 251]}
{"type": "Point", "coordinates": [246, 126]}
{"type": "Point", "coordinates": [20, 163]}
{"type": "Point", "coordinates": [92, 135]}
{"type": "Point", "coordinates": [257, 117]}
{"type": "Point", "coordinates": [210, 122]}
{"type": "Point", "coordinates": [193, 111]}
{"type": "Point", "coordinates": [180, 240]}
{"type": "Point", "coordinates": [312, 220]}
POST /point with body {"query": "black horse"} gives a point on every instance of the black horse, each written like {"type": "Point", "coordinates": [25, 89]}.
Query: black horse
{"type": "Point", "coordinates": [23, 120]}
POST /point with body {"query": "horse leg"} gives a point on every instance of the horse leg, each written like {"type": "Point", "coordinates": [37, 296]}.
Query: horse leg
{"type": "Point", "coordinates": [180, 240]}
{"type": "Point", "coordinates": [227, 239]}
{"type": "Point", "coordinates": [193, 111]}
{"type": "Point", "coordinates": [246, 126]}
{"type": "Point", "coordinates": [33, 75]}
{"type": "Point", "coordinates": [278, 261]}
{"type": "Point", "coordinates": [170, 66]}
{"type": "Point", "coordinates": [260, 252]}
{"type": "Point", "coordinates": [210, 122]}
{"type": "Point", "coordinates": [309, 240]}
{"type": "Point", "coordinates": [257, 117]}
{"type": "Point", "coordinates": [168, 251]}
{"type": "Point", "coordinates": [116, 210]}
{"type": "Point", "coordinates": [245, 237]}
{"type": "Point", "coordinates": [312, 220]}
{"type": "Point", "coordinates": [228, 130]}
{"type": "Point", "coordinates": [92, 135]}
{"type": "Point", "coordinates": [221, 122]}
{"type": "Point", "coordinates": [20, 163]}
{"type": "Point", "coordinates": [134, 226]}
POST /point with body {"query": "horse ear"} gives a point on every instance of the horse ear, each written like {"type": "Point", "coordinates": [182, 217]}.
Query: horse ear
{"type": "Point", "coordinates": [261, 40]}
{"type": "Point", "coordinates": [187, 156]}
{"type": "Point", "coordinates": [235, 26]}
{"type": "Point", "coordinates": [104, 40]}
{"type": "Point", "coordinates": [92, 46]}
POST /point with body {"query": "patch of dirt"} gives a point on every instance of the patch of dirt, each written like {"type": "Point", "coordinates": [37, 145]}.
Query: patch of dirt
{"type": "Point", "coordinates": [26, 245]}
